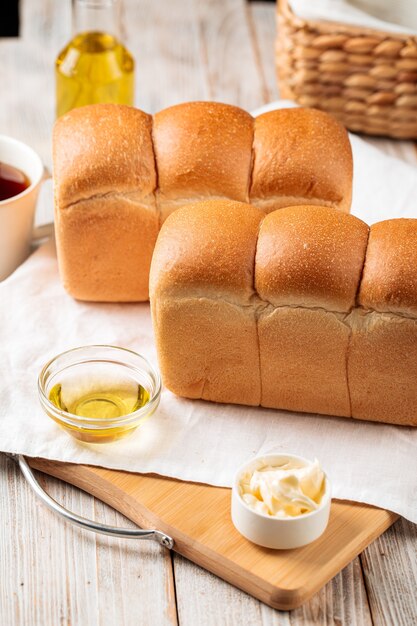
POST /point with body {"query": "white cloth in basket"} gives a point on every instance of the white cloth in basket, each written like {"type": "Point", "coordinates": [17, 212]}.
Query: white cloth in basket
{"type": "Point", "coordinates": [393, 16]}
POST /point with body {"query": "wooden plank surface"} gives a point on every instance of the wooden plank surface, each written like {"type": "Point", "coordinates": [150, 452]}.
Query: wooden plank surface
{"type": "Point", "coordinates": [342, 602]}
{"type": "Point", "coordinates": [390, 570]}
{"type": "Point", "coordinates": [52, 573]}
{"type": "Point", "coordinates": [69, 577]}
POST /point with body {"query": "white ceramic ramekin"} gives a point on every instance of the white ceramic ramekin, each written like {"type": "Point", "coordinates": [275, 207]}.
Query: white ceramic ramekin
{"type": "Point", "coordinates": [273, 532]}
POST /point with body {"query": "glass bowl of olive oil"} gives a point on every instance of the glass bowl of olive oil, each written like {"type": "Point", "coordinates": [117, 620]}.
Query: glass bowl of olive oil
{"type": "Point", "coordinates": [99, 394]}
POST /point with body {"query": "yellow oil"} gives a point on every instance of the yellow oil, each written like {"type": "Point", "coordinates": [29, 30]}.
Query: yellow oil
{"type": "Point", "coordinates": [100, 404]}
{"type": "Point", "coordinates": [94, 67]}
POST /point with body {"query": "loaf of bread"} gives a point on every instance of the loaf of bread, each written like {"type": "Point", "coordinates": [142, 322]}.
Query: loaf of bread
{"type": "Point", "coordinates": [305, 309]}
{"type": "Point", "coordinates": [118, 173]}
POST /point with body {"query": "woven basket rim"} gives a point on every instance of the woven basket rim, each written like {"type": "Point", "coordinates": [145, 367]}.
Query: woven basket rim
{"type": "Point", "coordinates": [332, 27]}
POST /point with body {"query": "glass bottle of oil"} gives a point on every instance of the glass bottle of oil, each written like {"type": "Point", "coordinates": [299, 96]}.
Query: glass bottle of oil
{"type": "Point", "coordinates": [94, 66]}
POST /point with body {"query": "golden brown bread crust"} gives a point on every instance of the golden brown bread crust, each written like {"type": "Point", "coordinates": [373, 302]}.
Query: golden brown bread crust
{"type": "Point", "coordinates": [207, 248]}
{"type": "Point", "coordinates": [105, 210]}
{"type": "Point", "coordinates": [219, 361]}
{"type": "Point", "coordinates": [382, 367]}
{"type": "Point", "coordinates": [301, 156]}
{"type": "Point", "coordinates": [389, 282]}
{"type": "Point", "coordinates": [303, 360]}
{"type": "Point", "coordinates": [102, 256]}
{"type": "Point", "coordinates": [310, 257]}
{"type": "Point", "coordinates": [322, 354]}
{"type": "Point", "coordinates": [100, 149]}
{"type": "Point", "coordinates": [201, 287]}
{"type": "Point", "coordinates": [203, 150]}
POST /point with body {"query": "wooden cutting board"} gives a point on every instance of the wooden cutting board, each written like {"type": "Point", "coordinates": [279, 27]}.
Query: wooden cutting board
{"type": "Point", "coordinates": [197, 517]}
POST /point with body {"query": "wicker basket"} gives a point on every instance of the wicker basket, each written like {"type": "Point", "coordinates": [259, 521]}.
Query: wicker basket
{"type": "Point", "coordinates": [366, 78]}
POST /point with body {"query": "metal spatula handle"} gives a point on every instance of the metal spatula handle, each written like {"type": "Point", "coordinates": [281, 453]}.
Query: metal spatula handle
{"type": "Point", "coordinates": [87, 524]}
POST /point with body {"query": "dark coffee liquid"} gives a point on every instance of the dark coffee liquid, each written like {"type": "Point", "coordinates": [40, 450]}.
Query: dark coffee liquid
{"type": "Point", "coordinates": [12, 181]}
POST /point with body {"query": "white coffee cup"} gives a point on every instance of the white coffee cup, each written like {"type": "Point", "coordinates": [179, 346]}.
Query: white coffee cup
{"type": "Point", "coordinates": [17, 212]}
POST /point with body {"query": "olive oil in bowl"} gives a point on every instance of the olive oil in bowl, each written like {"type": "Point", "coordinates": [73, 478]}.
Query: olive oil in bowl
{"type": "Point", "coordinates": [99, 394]}
{"type": "Point", "coordinates": [107, 403]}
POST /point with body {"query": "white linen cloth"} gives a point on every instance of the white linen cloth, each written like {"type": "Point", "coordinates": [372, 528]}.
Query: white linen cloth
{"type": "Point", "coordinates": [395, 16]}
{"type": "Point", "coordinates": [195, 440]}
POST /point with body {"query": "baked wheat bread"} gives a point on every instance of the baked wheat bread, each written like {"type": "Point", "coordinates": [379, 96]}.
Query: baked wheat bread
{"type": "Point", "coordinates": [203, 150]}
{"type": "Point", "coordinates": [106, 219]}
{"type": "Point", "coordinates": [300, 158]}
{"type": "Point", "coordinates": [118, 173]}
{"type": "Point", "coordinates": [305, 309]}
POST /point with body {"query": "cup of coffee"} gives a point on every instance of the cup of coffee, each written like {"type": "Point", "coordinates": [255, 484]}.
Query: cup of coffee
{"type": "Point", "coordinates": [21, 174]}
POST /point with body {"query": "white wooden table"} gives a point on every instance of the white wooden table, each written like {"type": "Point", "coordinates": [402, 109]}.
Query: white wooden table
{"type": "Point", "coordinates": [52, 573]}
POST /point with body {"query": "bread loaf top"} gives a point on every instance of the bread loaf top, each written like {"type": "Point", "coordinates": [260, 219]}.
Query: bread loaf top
{"type": "Point", "coordinates": [304, 256]}
{"type": "Point", "coordinates": [203, 149]}
{"type": "Point", "coordinates": [310, 256]}
{"type": "Point", "coordinates": [301, 157]}
{"type": "Point", "coordinates": [101, 149]}
{"type": "Point", "coordinates": [198, 150]}
{"type": "Point", "coordinates": [207, 249]}
{"type": "Point", "coordinates": [389, 282]}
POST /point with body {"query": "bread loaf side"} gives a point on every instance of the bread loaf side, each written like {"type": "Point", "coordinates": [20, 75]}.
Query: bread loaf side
{"type": "Point", "coordinates": [308, 267]}
{"type": "Point", "coordinates": [204, 303]}
{"type": "Point", "coordinates": [383, 349]}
